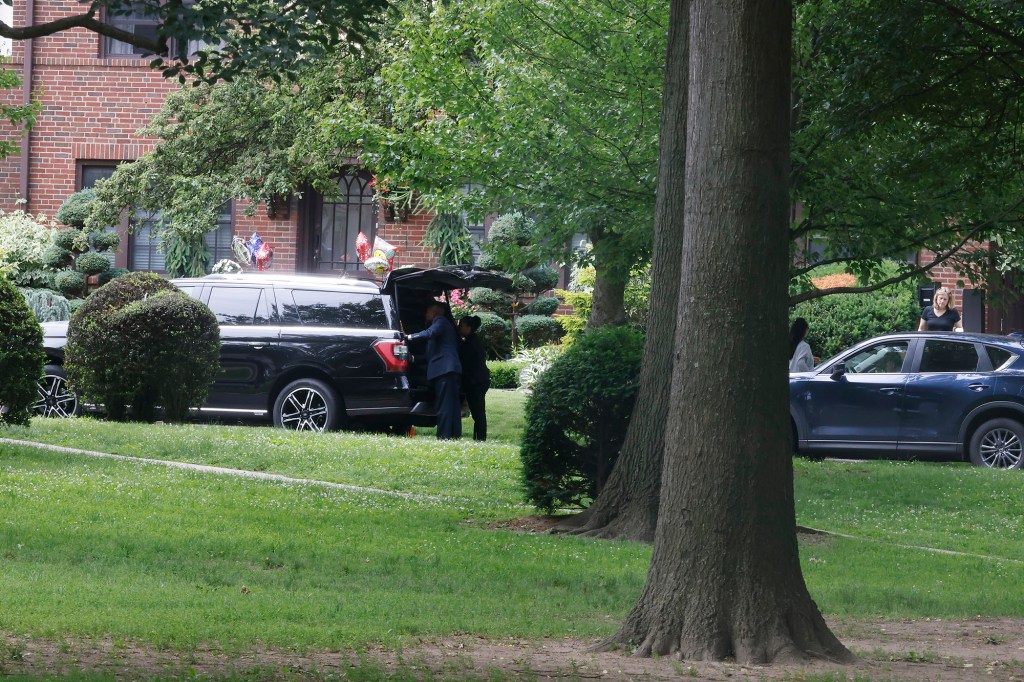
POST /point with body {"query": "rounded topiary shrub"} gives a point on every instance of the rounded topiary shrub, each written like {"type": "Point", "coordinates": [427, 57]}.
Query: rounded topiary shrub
{"type": "Point", "coordinates": [112, 273]}
{"type": "Point", "coordinates": [69, 282]}
{"type": "Point", "coordinates": [577, 416]}
{"type": "Point", "coordinates": [75, 208]}
{"type": "Point", "coordinates": [541, 278]}
{"type": "Point", "coordinates": [92, 263]}
{"type": "Point", "coordinates": [105, 240]}
{"type": "Point", "coordinates": [57, 257]}
{"type": "Point", "coordinates": [487, 261]}
{"type": "Point", "coordinates": [512, 229]}
{"type": "Point", "coordinates": [21, 356]}
{"type": "Point", "coordinates": [71, 239]}
{"type": "Point", "coordinates": [171, 348]}
{"type": "Point", "coordinates": [496, 333]}
{"type": "Point", "coordinates": [538, 330]}
{"type": "Point", "coordinates": [95, 348]}
{"type": "Point", "coordinates": [545, 305]}
{"type": "Point", "coordinates": [491, 299]}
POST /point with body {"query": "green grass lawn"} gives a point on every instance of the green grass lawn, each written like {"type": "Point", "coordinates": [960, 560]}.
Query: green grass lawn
{"type": "Point", "coordinates": [504, 418]}
{"type": "Point", "coordinates": [92, 547]}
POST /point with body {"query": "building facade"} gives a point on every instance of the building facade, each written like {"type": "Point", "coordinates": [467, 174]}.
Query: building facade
{"type": "Point", "coordinates": [97, 92]}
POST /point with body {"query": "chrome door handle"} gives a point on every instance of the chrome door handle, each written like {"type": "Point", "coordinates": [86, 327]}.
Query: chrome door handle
{"type": "Point", "coordinates": [889, 390]}
{"type": "Point", "coordinates": [977, 387]}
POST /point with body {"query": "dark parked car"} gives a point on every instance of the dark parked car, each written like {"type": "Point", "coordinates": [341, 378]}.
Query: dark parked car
{"type": "Point", "coordinates": [310, 352]}
{"type": "Point", "coordinates": [922, 395]}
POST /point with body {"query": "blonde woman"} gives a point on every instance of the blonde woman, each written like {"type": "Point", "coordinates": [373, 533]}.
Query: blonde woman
{"type": "Point", "coordinates": [941, 316]}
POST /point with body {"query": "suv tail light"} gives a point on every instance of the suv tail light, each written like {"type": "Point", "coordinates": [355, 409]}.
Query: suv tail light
{"type": "Point", "coordinates": [394, 353]}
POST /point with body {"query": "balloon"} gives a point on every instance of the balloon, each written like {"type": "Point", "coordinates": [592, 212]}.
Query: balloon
{"type": "Point", "coordinates": [241, 251]}
{"type": "Point", "coordinates": [377, 266]}
{"type": "Point", "coordinates": [254, 243]}
{"type": "Point", "coordinates": [264, 256]}
{"type": "Point", "coordinates": [384, 251]}
{"type": "Point", "coordinates": [362, 246]}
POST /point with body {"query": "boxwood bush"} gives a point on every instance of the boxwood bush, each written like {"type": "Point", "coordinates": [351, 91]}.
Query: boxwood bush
{"type": "Point", "coordinates": [577, 416]}
{"type": "Point", "coordinates": [496, 333]}
{"type": "Point", "coordinates": [21, 356]}
{"type": "Point", "coordinates": [69, 282]}
{"type": "Point", "coordinates": [544, 305]}
{"type": "Point", "coordinates": [92, 263]}
{"type": "Point", "coordinates": [504, 374]}
{"type": "Point", "coordinates": [138, 341]}
{"type": "Point", "coordinates": [538, 330]}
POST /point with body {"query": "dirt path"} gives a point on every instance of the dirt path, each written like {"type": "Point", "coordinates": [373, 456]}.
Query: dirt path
{"type": "Point", "coordinates": [981, 649]}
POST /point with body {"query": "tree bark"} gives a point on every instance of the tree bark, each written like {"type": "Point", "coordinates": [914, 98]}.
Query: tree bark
{"type": "Point", "coordinates": [608, 305]}
{"type": "Point", "coordinates": [627, 506]}
{"type": "Point", "coordinates": [725, 578]}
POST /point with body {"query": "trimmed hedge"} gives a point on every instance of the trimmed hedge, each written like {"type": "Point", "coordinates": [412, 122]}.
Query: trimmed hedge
{"type": "Point", "coordinates": [75, 208]}
{"type": "Point", "coordinates": [92, 263]}
{"type": "Point", "coordinates": [577, 416]}
{"type": "Point", "coordinates": [496, 333]}
{"type": "Point", "coordinates": [544, 305]}
{"type": "Point", "coordinates": [139, 341]}
{"type": "Point", "coordinates": [105, 240]}
{"type": "Point", "coordinates": [69, 282]}
{"type": "Point", "coordinates": [21, 356]}
{"type": "Point", "coordinates": [492, 299]}
{"type": "Point", "coordinates": [504, 374]}
{"type": "Point", "coordinates": [542, 278]}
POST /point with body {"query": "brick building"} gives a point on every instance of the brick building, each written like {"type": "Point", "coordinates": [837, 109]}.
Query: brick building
{"type": "Point", "coordinates": [96, 92]}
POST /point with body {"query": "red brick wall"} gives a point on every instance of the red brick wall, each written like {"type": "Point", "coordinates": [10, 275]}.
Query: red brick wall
{"type": "Point", "coordinates": [92, 109]}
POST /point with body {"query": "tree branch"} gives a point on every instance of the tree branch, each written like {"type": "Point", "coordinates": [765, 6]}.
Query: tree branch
{"type": "Point", "coordinates": [87, 21]}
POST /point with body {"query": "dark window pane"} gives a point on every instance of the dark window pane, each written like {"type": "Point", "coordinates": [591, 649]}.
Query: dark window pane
{"type": "Point", "coordinates": [239, 305]}
{"type": "Point", "coordinates": [998, 356]}
{"type": "Point", "coordinates": [219, 239]}
{"type": "Point", "coordinates": [138, 23]}
{"type": "Point", "coordinates": [144, 243]}
{"type": "Point", "coordinates": [883, 358]}
{"type": "Point", "coordinates": [90, 174]}
{"type": "Point", "coordinates": [949, 356]}
{"type": "Point", "coordinates": [337, 309]}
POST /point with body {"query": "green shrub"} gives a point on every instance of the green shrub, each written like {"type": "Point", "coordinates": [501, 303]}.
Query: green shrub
{"type": "Point", "coordinates": [534, 362]}
{"type": "Point", "coordinates": [75, 304]}
{"type": "Point", "coordinates": [33, 279]}
{"type": "Point", "coordinates": [496, 334]}
{"type": "Point", "coordinates": [572, 328]}
{"type": "Point", "coordinates": [841, 320]}
{"type": "Point", "coordinates": [71, 239]}
{"type": "Point", "coordinates": [577, 416]}
{"type": "Point", "coordinates": [491, 299]}
{"type": "Point", "coordinates": [544, 305]}
{"type": "Point", "coordinates": [538, 330]}
{"type": "Point", "coordinates": [511, 229]}
{"type": "Point", "coordinates": [105, 240]}
{"type": "Point", "coordinates": [69, 282]}
{"type": "Point", "coordinates": [93, 354]}
{"type": "Point", "coordinates": [24, 239]}
{"type": "Point", "coordinates": [112, 273]}
{"type": "Point", "coordinates": [75, 208]}
{"type": "Point", "coordinates": [171, 350]}
{"type": "Point", "coordinates": [92, 263]}
{"type": "Point", "coordinates": [487, 261]}
{"type": "Point", "coordinates": [541, 278]}
{"type": "Point", "coordinates": [57, 257]}
{"type": "Point", "coordinates": [47, 305]}
{"type": "Point", "coordinates": [504, 374]}
{"type": "Point", "coordinates": [21, 356]}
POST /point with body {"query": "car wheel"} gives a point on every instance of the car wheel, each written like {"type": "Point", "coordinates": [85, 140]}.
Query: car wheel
{"type": "Point", "coordinates": [308, 405]}
{"type": "Point", "coordinates": [56, 399]}
{"type": "Point", "coordinates": [998, 444]}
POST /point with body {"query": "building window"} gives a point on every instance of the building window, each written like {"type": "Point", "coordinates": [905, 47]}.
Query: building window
{"type": "Point", "coordinates": [341, 222]}
{"type": "Point", "coordinates": [90, 175]}
{"type": "Point", "coordinates": [219, 239]}
{"type": "Point", "coordinates": [144, 251]}
{"type": "Point", "coordinates": [136, 22]}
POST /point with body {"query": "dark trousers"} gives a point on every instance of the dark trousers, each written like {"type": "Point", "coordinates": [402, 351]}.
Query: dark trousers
{"type": "Point", "coordinates": [475, 398]}
{"type": "Point", "coordinates": [448, 405]}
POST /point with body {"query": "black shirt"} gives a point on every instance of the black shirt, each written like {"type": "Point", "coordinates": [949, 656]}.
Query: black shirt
{"type": "Point", "coordinates": [474, 361]}
{"type": "Point", "coordinates": [940, 323]}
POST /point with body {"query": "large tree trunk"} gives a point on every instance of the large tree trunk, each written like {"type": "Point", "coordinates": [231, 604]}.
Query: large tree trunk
{"type": "Point", "coordinates": [609, 302]}
{"type": "Point", "coordinates": [627, 506]}
{"type": "Point", "coordinates": [725, 577]}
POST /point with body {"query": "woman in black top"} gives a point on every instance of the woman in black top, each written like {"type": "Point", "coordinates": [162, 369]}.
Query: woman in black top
{"type": "Point", "coordinates": [476, 378]}
{"type": "Point", "coordinates": [941, 316]}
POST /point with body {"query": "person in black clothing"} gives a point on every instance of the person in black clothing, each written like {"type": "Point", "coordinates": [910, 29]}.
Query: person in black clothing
{"type": "Point", "coordinates": [941, 316]}
{"type": "Point", "coordinates": [476, 378]}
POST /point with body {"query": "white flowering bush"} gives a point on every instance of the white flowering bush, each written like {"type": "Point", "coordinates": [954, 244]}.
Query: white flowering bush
{"type": "Point", "coordinates": [226, 266]}
{"type": "Point", "coordinates": [535, 362]}
{"type": "Point", "coordinates": [24, 239]}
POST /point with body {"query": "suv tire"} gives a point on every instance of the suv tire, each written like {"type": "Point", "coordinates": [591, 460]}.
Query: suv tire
{"type": "Point", "coordinates": [56, 399]}
{"type": "Point", "coordinates": [308, 405]}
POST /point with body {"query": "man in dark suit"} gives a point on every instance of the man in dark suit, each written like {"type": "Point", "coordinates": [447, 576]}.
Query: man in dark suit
{"type": "Point", "coordinates": [444, 371]}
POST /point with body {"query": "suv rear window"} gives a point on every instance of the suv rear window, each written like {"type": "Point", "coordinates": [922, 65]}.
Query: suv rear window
{"type": "Point", "coordinates": [334, 309]}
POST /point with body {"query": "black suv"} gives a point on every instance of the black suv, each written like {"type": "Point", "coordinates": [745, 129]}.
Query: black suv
{"type": "Point", "coordinates": [312, 352]}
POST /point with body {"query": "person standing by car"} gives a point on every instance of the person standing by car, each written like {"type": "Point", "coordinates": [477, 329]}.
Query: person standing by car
{"type": "Point", "coordinates": [940, 316]}
{"type": "Point", "coordinates": [444, 371]}
{"type": "Point", "coordinates": [476, 378]}
{"type": "Point", "coordinates": [800, 357]}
